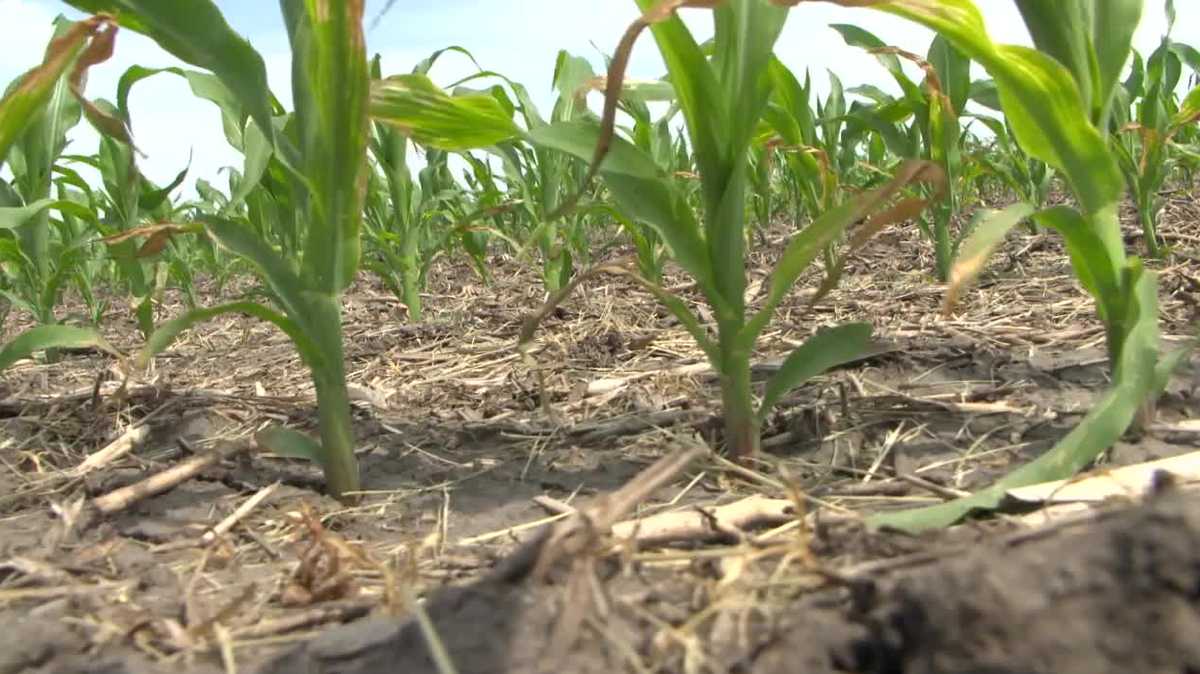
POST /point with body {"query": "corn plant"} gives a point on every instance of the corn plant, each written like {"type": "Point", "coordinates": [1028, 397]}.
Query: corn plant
{"type": "Point", "coordinates": [935, 134]}
{"type": "Point", "coordinates": [1029, 178]}
{"type": "Point", "coordinates": [655, 137]}
{"type": "Point", "coordinates": [35, 114]}
{"type": "Point", "coordinates": [1058, 99]}
{"type": "Point", "coordinates": [317, 158]}
{"type": "Point", "coordinates": [722, 100]}
{"type": "Point", "coordinates": [324, 148]}
{"type": "Point", "coordinates": [393, 221]}
{"type": "Point", "coordinates": [409, 223]}
{"type": "Point", "coordinates": [808, 150]}
{"type": "Point", "coordinates": [1144, 142]}
{"type": "Point", "coordinates": [129, 201]}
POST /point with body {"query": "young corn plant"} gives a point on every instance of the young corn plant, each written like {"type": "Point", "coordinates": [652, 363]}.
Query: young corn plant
{"type": "Point", "coordinates": [655, 137]}
{"type": "Point", "coordinates": [319, 152]}
{"type": "Point", "coordinates": [935, 108]}
{"type": "Point", "coordinates": [324, 148]}
{"type": "Point", "coordinates": [1029, 178]}
{"type": "Point", "coordinates": [36, 112]}
{"type": "Point", "coordinates": [409, 223]}
{"type": "Point", "coordinates": [396, 211]}
{"type": "Point", "coordinates": [1058, 99]}
{"type": "Point", "coordinates": [1144, 140]}
{"type": "Point", "coordinates": [543, 178]}
{"type": "Point", "coordinates": [811, 180]}
{"type": "Point", "coordinates": [130, 202]}
{"type": "Point", "coordinates": [723, 99]}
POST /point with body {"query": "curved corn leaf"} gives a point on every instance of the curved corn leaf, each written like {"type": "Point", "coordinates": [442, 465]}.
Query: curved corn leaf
{"type": "Point", "coordinates": [696, 88]}
{"type": "Point", "coordinates": [421, 110]}
{"type": "Point", "coordinates": [195, 32]}
{"type": "Point", "coordinates": [987, 234]}
{"type": "Point", "coordinates": [285, 283]}
{"type": "Point", "coordinates": [22, 104]}
{"type": "Point", "coordinates": [1134, 380]}
{"type": "Point", "coordinates": [257, 150]}
{"type": "Point", "coordinates": [165, 334]}
{"type": "Point", "coordinates": [856, 36]}
{"type": "Point", "coordinates": [1090, 259]}
{"type": "Point", "coordinates": [1062, 30]}
{"type": "Point", "coordinates": [45, 337]}
{"type": "Point", "coordinates": [1189, 109]}
{"type": "Point", "coordinates": [744, 43]}
{"type": "Point", "coordinates": [1090, 38]}
{"type": "Point", "coordinates": [810, 242]}
{"type": "Point", "coordinates": [985, 93]}
{"type": "Point", "coordinates": [13, 217]}
{"type": "Point", "coordinates": [954, 70]}
{"type": "Point", "coordinates": [640, 188]}
{"type": "Point", "coordinates": [826, 349]}
{"type": "Point", "coordinates": [1114, 23]}
{"type": "Point", "coordinates": [1040, 98]}
{"type": "Point", "coordinates": [286, 442]}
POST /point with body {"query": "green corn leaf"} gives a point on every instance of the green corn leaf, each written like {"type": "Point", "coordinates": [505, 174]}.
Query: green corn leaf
{"type": "Point", "coordinates": [866, 40]}
{"type": "Point", "coordinates": [1040, 98]}
{"type": "Point", "coordinates": [898, 142]}
{"type": "Point", "coordinates": [45, 337]}
{"type": "Point", "coordinates": [639, 187]}
{"type": "Point", "coordinates": [578, 138]}
{"type": "Point", "coordinates": [421, 110]}
{"type": "Point", "coordinates": [1063, 30]}
{"type": "Point", "coordinates": [288, 443]}
{"type": "Point", "coordinates": [801, 250]}
{"type": "Point", "coordinates": [954, 71]}
{"type": "Point", "coordinates": [17, 216]}
{"type": "Point", "coordinates": [686, 318]}
{"type": "Point", "coordinates": [1112, 36]}
{"type": "Point", "coordinates": [210, 88]}
{"type": "Point", "coordinates": [133, 75]}
{"type": "Point", "coordinates": [257, 150]}
{"type": "Point", "coordinates": [1093, 265]}
{"type": "Point", "coordinates": [697, 91]}
{"type": "Point", "coordinates": [152, 198]}
{"type": "Point", "coordinates": [23, 103]}
{"type": "Point", "coordinates": [285, 283]}
{"type": "Point", "coordinates": [195, 32]}
{"type": "Point", "coordinates": [745, 38]}
{"type": "Point", "coordinates": [1189, 109]}
{"type": "Point", "coordinates": [824, 350]}
{"type": "Point", "coordinates": [1099, 429]}
{"type": "Point", "coordinates": [985, 93]}
{"type": "Point", "coordinates": [810, 242]}
{"type": "Point", "coordinates": [330, 84]}
{"type": "Point", "coordinates": [988, 233]}
{"type": "Point", "coordinates": [648, 92]}
{"type": "Point", "coordinates": [165, 334]}
{"type": "Point", "coordinates": [795, 99]}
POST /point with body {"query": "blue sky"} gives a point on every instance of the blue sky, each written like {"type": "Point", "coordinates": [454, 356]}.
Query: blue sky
{"type": "Point", "coordinates": [519, 38]}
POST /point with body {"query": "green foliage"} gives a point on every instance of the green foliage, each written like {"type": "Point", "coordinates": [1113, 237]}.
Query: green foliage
{"type": "Point", "coordinates": [322, 148]}
{"type": "Point", "coordinates": [724, 100]}
{"type": "Point", "coordinates": [1146, 121]}
{"type": "Point", "coordinates": [1058, 101]}
{"type": "Point", "coordinates": [389, 172]}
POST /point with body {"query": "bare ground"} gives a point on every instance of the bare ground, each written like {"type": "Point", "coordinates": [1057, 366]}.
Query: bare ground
{"type": "Point", "coordinates": [459, 435]}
